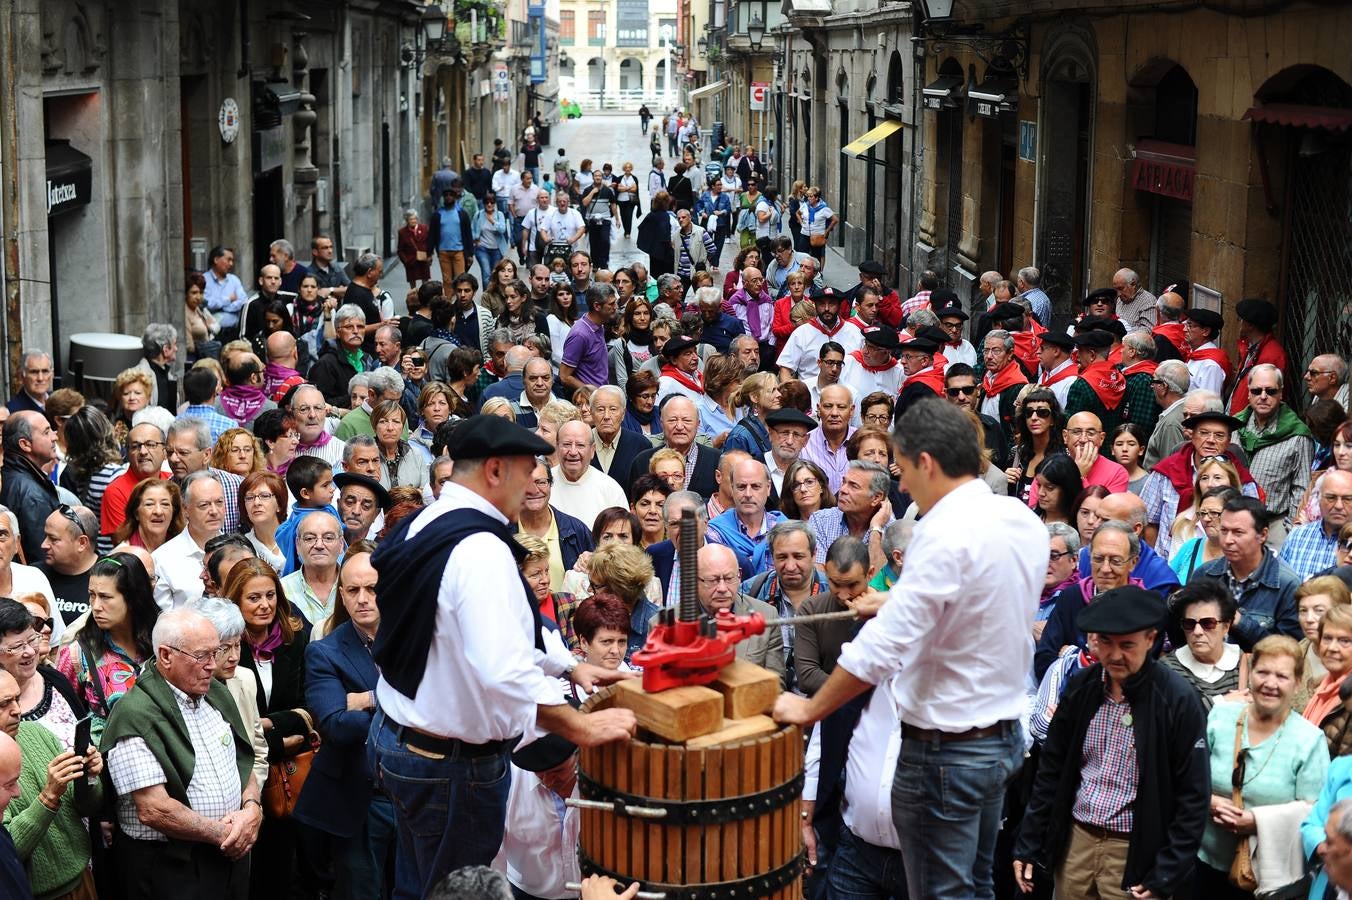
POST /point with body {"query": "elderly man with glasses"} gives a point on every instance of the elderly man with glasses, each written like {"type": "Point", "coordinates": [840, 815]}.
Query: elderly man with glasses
{"type": "Point", "coordinates": [313, 587]}
{"type": "Point", "coordinates": [1279, 444]}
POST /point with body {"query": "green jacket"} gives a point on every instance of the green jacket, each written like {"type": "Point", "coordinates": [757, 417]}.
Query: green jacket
{"type": "Point", "coordinates": [54, 846]}
{"type": "Point", "coordinates": [150, 712]}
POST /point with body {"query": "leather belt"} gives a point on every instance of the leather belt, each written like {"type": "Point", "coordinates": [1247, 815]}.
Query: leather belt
{"type": "Point", "coordinates": [912, 733]}
{"type": "Point", "coordinates": [1103, 834]}
{"type": "Point", "coordinates": [449, 747]}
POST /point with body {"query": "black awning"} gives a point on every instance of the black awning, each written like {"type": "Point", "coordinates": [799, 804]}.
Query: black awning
{"type": "Point", "coordinates": [943, 92]}
{"type": "Point", "coordinates": [70, 178]}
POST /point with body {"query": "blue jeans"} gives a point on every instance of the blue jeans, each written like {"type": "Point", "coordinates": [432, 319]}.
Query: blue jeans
{"type": "Point", "coordinates": [946, 803]}
{"type": "Point", "coordinates": [861, 871]}
{"type": "Point", "coordinates": [360, 862]}
{"type": "Point", "coordinates": [450, 811]}
{"type": "Point", "coordinates": [488, 257]}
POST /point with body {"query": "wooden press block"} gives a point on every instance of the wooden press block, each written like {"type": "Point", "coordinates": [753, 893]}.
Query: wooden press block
{"type": "Point", "coordinates": [747, 689]}
{"type": "Point", "coordinates": [735, 730]}
{"type": "Point", "coordinates": [677, 714]}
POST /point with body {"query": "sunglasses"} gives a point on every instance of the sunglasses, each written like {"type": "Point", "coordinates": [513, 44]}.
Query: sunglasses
{"type": "Point", "coordinates": [41, 624]}
{"type": "Point", "coordinates": [1037, 412]}
{"type": "Point", "coordinates": [69, 515]}
{"type": "Point", "coordinates": [1208, 624]}
{"type": "Point", "coordinates": [965, 391]}
{"type": "Point", "coordinates": [1265, 391]}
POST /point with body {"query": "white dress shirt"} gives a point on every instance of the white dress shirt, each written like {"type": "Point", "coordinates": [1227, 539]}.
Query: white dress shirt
{"type": "Point", "coordinates": [585, 498]}
{"type": "Point", "coordinates": [1205, 374]}
{"type": "Point", "coordinates": [178, 563]}
{"type": "Point", "coordinates": [963, 352]}
{"type": "Point", "coordinates": [862, 382]}
{"type": "Point", "coordinates": [1061, 390]}
{"type": "Point", "coordinates": [483, 678]}
{"type": "Point", "coordinates": [539, 843]}
{"type": "Point", "coordinates": [945, 630]}
{"type": "Point", "coordinates": [869, 767]}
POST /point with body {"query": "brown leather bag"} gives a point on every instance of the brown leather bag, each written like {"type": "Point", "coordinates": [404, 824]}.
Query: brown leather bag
{"type": "Point", "coordinates": [1241, 869]}
{"type": "Point", "coordinates": [286, 778]}
{"type": "Point", "coordinates": [816, 240]}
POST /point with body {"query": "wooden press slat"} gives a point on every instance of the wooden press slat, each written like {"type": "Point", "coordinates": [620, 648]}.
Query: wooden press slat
{"type": "Point", "coordinates": [621, 775]}
{"type": "Point", "coordinates": [655, 832]}
{"type": "Point", "coordinates": [714, 762]}
{"type": "Point", "coordinates": [692, 836]}
{"type": "Point", "coordinates": [753, 781]}
{"type": "Point", "coordinates": [766, 822]}
{"type": "Point", "coordinates": [638, 832]}
{"type": "Point", "coordinates": [732, 785]}
{"type": "Point", "coordinates": [674, 791]}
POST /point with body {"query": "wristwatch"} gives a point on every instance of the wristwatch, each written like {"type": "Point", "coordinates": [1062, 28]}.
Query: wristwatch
{"type": "Point", "coordinates": [876, 529]}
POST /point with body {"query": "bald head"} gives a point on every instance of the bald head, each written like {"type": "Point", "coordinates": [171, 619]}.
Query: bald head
{"type": "Point", "coordinates": [1084, 429]}
{"type": "Point", "coordinates": [142, 554]}
{"type": "Point", "coordinates": [9, 705]}
{"type": "Point", "coordinates": [10, 762]}
{"type": "Point", "coordinates": [1125, 507]}
{"type": "Point", "coordinates": [281, 347]}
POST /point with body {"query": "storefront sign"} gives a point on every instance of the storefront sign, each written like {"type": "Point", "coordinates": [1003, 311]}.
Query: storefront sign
{"type": "Point", "coordinates": [1164, 169]}
{"type": "Point", "coordinates": [70, 178]}
{"type": "Point", "coordinates": [1027, 141]}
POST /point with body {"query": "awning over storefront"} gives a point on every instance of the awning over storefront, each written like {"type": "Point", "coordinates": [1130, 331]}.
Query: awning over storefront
{"type": "Point", "coordinates": [792, 8]}
{"type": "Point", "coordinates": [1165, 169]}
{"type": "Point", "coordinates": [995, 95]}
{"type": "Point", "coordinates": [70, 178]}
{"type": "Point", "coordinates": [708, 90]}
{"type": "Point", "coordinates": [943, 92]}
{"type": "Point", "coordinates": [1294, 115]}
{"type": "Point", "coordinates": [862, 144]}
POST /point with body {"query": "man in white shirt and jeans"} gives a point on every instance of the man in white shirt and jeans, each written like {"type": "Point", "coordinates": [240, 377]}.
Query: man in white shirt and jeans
{"type": "Point", "coordinates": [943, 640]}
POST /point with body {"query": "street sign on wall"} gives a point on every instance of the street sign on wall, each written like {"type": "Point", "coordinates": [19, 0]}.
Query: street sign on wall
{"type": "Point", "coordinates": [758, 91]}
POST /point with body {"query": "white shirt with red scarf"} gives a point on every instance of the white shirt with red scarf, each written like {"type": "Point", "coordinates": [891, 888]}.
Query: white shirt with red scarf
{"type": "Point", "coordinates": [804, 344]}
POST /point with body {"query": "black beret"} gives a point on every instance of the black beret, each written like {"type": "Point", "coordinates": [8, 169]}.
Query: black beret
{"type": "Point", "coordinates": [825, 293]}
{"type": "Point", "coordinates": [1228, 421]}
{"type": "Point", "coordinates": [1001, 312]}
{"type": "Point", "coordinates": [1206, 318]}
{"type": "Point", "coordinates": [1102, 295]}
{"type": "Point", "coordinates": [920, 345]}
{"type": "Point", "coordinates": [483, 436]}
{"type": "Point", "coordinates": [950, 312]}
{"type": "Point", "coordinates": [933, 333]}
{"type": "Point", "coordinates": [1257, 312]}
{"type": "Point", "coordinates": [1122, 610]}
{"type": "Point", "coordinates": [343, 479]}
{"type": "Point", "coordinates": [943, 297]}
{"type": "Point", "coordinates": [1099, 340]}
{"type": "Point", "coordinates": [1110, 324]}
{"type": "Point", "coordinates": [790, 416]}
{"type": "Point", "coordinates": [881, 336]}
{"type": "Point", "coordinates": [872, 267]}
{"type": "Point", "coordinates": [1057, 339]}
{"type": "Point", "coordinates": [672, 348]}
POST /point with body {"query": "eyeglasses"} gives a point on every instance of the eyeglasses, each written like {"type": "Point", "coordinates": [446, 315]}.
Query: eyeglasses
{"type": "Point", "coordinates": [17, 649]}
{"type": "Point", "coordinates": [1115, 562]}
{"type": "Point", "coordinates": [1037, 412]}
{"type": "Point", "coordinates": [263, 496]}
{"type": "Point", "coordinates": [1155, 382]}
{"type": "Point", "coordinates": [1315, 373]}
{"type": "Point", "coordinates": [224, 650]}
{"type": "Point", "coordinates": [964, 391]}
{"type": "Point", "coordinates": [715, 580]}
{"type": "Point", "coordinates": [1265, 391]}
{"type": "Point", "coordinates": [138, 446]}
{"type": "Point", "coordinates": [879, 418]}
{"type": "Point", "coordinates": [309, 539]}
{"type": "Point", "coordinates": [74, 519]}
{"type": "Point", "coordinates": [1337, 499]}
{"type": "Point", "coordinates": [307, 410]}
{"type": "Point", "coordinates": [200, 658]}
{"type": "Point", "coordinates": [1208, 624]}
{"type": "Point", "coordinates": [833, 363]}
{"type": "Point", "coordinates": [1208, 513]}
{"type": "Point", "coordinates": [806, 484]}
{"type": "Point", "coordinates": [1058, 555]}
{"type": "Point", "coordinates": [1081, 432]}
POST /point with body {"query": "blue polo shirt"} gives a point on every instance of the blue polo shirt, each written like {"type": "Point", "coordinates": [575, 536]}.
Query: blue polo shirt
{"type": "Point", "coordinates": [451, 238]}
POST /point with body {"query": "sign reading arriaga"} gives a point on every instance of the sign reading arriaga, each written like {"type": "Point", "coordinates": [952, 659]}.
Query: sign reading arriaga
{"type": "Point", "coordinates": [60, 193]}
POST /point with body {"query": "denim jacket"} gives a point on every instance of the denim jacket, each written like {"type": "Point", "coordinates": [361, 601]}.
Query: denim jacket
{"type": "Point", "coordinates": [1268, 603]}
{"type": "Point", "coordinates": [500, 220]}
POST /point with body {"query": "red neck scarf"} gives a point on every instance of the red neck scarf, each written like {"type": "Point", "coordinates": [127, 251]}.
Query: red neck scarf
{"type": "Point", "coordinates": [885, 367]}
{"type": "Point", "coordinates": [1105, 381]}
{"type": "Point", "coordinates": [1146, 365]}
{"type": "Point", "coordinates": [1025, 348]}
{"type": "Point", "coordinates": [932, 378]}
{"type": "Point", "coordinates": [1062, 374]}
{"type": "Point", "coordinates": [694, 382]}
{"type": "Point", "coordinates": [859, 323]}
{"type": "Point", "coordinates": [1216, 355]}
{"type": "Point", "coordinates": [1179, 469]}
{"type": "Point", "coordinates": [995, 383]}
{"type": "Point", "coordinates": [816, 323]}
{"type": "Point", "coordinates": [1173, 333]}
{"type": "Point", "coordinates": [1115, 356]}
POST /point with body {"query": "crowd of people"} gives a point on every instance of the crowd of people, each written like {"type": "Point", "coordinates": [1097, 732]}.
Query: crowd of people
{"type": "Point", "coordinates": [276, 623]}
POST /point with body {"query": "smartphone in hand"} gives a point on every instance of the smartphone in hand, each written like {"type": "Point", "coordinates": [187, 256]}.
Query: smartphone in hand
{"type": "Point", "coordinates": [82, 736]}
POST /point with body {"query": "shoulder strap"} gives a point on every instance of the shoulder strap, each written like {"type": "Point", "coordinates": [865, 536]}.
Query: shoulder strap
{"type": "Point", "coordinates": [1237, 788]}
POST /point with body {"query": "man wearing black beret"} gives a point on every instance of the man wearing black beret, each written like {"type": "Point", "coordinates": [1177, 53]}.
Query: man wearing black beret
{"type": "Point", "coordinates": [873, 274]}
{"type": "Point", "coordinates": [1056, 364]}
{"type": "Point", "coordinates": [1257, 345]}
{"type": "Point", "coordinates": [466, 666]}
{"type": "Point", "coordinates": [1100, 387]}
{"type": "Point", "coordinates": [1208, 364]}
{"type": "Point", "coordinates": [924, 375]}
{"type": "Point", "coordinates": [873, 367]}
{"type": "Point", "coordinates": [1123, 786]}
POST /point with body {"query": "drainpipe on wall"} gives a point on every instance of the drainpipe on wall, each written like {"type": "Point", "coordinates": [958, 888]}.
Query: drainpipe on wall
{"type": "Point", "coordinates": [917, 137]}
{"type": "Point", "coordinates": [9, 194]}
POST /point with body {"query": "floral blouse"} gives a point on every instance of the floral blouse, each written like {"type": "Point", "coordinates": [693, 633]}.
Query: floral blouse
{"type": "Point", "coordinates": [115, 671]}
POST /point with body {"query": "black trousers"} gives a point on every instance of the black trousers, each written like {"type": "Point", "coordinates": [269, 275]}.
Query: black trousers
{"type": "Point", "coordinates": [150, 869]}
{"type": "Point", "coordinates": [627, 215]}
{"type": "Point", "coordinates": [598, 235]}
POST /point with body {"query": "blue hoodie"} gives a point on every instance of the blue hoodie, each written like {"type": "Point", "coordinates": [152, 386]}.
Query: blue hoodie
{"type": "Point", "coordinates": [286, 532]}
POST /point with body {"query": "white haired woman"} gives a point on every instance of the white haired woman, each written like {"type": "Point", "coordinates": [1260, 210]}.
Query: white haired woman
{"type": "Point", "coordinates": [242, 683]}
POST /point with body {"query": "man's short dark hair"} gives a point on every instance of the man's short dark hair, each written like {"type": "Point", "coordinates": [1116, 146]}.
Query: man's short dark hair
{"type": "Point", "coordinates": [304, 473]}
{"type": "Point", "coordinates": [242, 367]}
{"type": "Point", "coordinates": [783, 242]}
{"type": "Point", "coordinates": [929, 280]}
{"type": "Point", "coordinates": [472, 883]}
{"type": "Point", "coordinates": [16, 428]}
{"type": "Point", "coordinates": [944, 432]}
{"type": "Point", "coordinates": [442, 312]}
{"type": "Point", "coordinates": [830, 347]}
{"type": "Point", "coordinates": [239, 546]}
{"type": "Point", "coordinates": [597, 293]}
{"type": "Point", "coordinates": [846, 552]}
{"type": "Point", "coordinates": [199, 384]}
{"type": "Point", "coordinates": [959, 369]}
{"type": "Point", "coordinates": [427, 292]}
{"type": "Point", "coordinates": [465, 278]}
{"type": "Point", "coordinates": [444, 436]}
{"type": "Point", "coordinates": [1261, 515]}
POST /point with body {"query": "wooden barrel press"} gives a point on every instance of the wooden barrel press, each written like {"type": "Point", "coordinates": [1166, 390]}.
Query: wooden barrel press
{"type": "Point", "coordinates": [733, 813]}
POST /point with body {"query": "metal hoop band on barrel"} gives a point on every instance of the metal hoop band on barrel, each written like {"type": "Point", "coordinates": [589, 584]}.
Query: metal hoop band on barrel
{"type": "Point", "coordinates": [696, 812]}
{"type": "Point", "coordinates": [755, 886]}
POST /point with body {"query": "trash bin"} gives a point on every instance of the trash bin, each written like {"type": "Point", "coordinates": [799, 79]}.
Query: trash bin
{"type": "Point", "coordinates": [542, 135]}
{"type": "Point", "coordinates": [96, 358]}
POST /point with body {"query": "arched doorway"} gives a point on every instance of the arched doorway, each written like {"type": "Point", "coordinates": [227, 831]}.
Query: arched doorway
{"type": "Point", "coordinates": [660, 76]}
{"type": "Point", "coordinates": [845, 133]}
{"type": "Point", "coordinates": [1162, 127]}
{"type": "Point", "coordinates": [596, 75]}
{"type": "Point", "coordinates": [1304, 126]}
{"type": "Point", "coordinates": [631, 76]}
{"type": "Point", "coordinates": [1070, 82]}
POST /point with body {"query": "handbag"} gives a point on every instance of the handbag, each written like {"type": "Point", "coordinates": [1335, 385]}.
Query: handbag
{"type": "Point", "coordinates": [816, 240]}
{"type": "Point", "coordinates": [1241, 869]}
{"type": "Point", "coordinates": [420, 255]}
{"type": "Point", "coordinates": [286, 778]}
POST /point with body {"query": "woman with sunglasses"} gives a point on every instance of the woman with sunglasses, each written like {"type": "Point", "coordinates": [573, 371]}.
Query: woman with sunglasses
{"type": "Point", "coordinates": [1264, 753]}
{"type": "Point", "coordinates": [1204, 610]}
{"type": "Point", "coordinates": [1038, 433]}
{"type": "Point", "coordinates": [114, 642]}
{"type": "Point", "coordinates": [1198, 551]}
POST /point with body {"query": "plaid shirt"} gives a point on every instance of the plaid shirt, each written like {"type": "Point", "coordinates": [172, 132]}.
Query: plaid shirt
{"type": "Point", "coordinates": [920, 301]}
{"type": "Point", "coordinates": [1138, 403]}
{"type": "Point", "coordinates": [768, 592]}
{"type": "Point", "coordinates": [1282, 469]}
{"type": "Point", "coordinates": [1108, 768]}
{"type": "Point", "coordinates": [229, 483]}
{"type": "Point", "coordinates": [218, 423]}
{"type": "Point", "coordinates": [1161, 508]}
{"type": "Point", "coordinates": [1309, 549]}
